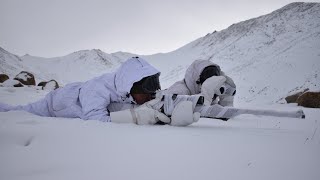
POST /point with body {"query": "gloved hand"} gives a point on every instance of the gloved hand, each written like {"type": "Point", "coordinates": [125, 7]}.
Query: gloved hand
{"type": "Point", "coordinates": [142, 115]}
{"type": "Point", "coordinates": [212, 87]}
{"type": "Point", "coordinates": [227, 98]}
{"type": "Point", "coordinates": [183, 114]}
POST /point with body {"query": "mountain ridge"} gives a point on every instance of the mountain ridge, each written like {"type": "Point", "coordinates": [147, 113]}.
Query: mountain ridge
{"type": "Point", "coordinates": [268, 56]}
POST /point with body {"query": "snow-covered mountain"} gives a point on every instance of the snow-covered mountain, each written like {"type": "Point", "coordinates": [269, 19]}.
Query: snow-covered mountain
{"type": "Point", "coordinates": [269, 56]}
{"type": "Point", "coordinates": [10, 64]}
{"type": "Point", "coordinates": [77, 66]}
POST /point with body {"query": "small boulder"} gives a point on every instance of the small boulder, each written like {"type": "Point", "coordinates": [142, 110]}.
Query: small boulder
{"type": "Point", "coordinates": [42, 83]}
{"type": "Point", "coordinates": [12, 83]}
{"type": "Point", "coordinates": [18, 85]}
{"type": "Point", "coordinates": [25, 78]}
{"type": "Point", "coordinates": [51, 85]}
{"type": "Point", "coordinates": [293, 98]}
{"type": "Point", "coordinates": [3, 78]}
{"type": "Point", "coordinates": [309, 99]}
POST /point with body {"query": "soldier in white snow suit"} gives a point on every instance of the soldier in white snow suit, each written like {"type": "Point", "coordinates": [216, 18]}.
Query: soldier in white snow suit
{"type": "Point", "coordinates": [206, 78]}
{"type": "Point", "coordinates": [135, 82]}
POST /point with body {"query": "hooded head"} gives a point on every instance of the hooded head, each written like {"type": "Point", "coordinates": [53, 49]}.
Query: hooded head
{"type": "Point", "coordinates": [208, 72]}
{"type": "Point", "coordinates": [147, 85]}
{"type": "Point", "coordinates": [198, 72]}
{"type": "Point", "coordinates": [138, 78]}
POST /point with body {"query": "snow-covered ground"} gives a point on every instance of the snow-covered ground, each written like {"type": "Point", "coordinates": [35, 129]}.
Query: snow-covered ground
{"type": "Point", "coordinates": [245, 147]}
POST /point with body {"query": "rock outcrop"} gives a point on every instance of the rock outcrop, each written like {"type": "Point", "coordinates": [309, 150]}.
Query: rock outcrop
{"type": "Point", "coordinates": [309, 99]}
{"type": "Point", "coordinates": [3, 78]}
{"type": "Point", "coordinates": [26, 78]}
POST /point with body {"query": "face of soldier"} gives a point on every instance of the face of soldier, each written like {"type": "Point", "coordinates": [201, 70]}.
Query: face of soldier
{"type": "Point", "coordinates": [145, 89]}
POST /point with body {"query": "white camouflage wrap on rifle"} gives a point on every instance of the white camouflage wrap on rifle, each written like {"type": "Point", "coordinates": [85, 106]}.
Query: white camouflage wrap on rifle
{"type": "Point", "coordinates": [141, 115]}
{"type": "Point", "coordinates": [211, 87]}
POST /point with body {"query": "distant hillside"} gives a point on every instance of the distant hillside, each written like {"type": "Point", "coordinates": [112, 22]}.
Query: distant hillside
{"type": "Point", "coordinates": [77, 66]}
{"type": "Point", "coordinates": [269, 56]}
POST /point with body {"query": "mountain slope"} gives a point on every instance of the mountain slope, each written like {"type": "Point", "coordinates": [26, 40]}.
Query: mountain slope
{"type": "Point", "coordinates": [10, 64]}
{"type": "Point", "coordinates": [77, 66]}
{"type": "Point", "coordinates": [269, 56]}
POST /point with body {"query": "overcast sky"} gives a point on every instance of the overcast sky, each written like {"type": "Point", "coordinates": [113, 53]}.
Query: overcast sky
{"type": "Point", "coordinates": [50, 28]}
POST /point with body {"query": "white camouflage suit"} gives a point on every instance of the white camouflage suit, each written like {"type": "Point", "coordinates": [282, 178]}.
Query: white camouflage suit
{"type": "Point", "coordinates": [89, 100]}
{"type": "Point", "coordinates": [189, 86]}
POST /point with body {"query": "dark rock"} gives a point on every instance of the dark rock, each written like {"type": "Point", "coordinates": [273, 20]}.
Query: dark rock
{"type": "Point", "coordinates": [42, 83]}
{"type": "Point", "coordinates": [12, 83]}
{"type": "Point", "coordinates": [51, 85]}
{"type": "Point", "coordinates": [309, 99]}
{"type": "Point", "coordinates": [25, 78]}
{"type": "Point", "coordinates": [293, 98]}
{"type": "Point", "coordinates": [18, 85]}
{"type": "Point", "coordinates": [3, 78]}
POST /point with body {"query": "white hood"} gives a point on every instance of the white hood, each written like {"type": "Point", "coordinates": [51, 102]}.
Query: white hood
{"type": "Point", "coordinates": [193, 74]}
{"type": "Point", "coordinates": [131, 71]}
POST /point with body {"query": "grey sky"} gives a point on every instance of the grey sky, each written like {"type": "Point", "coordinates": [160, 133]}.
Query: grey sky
{"type": "Point", "coordinates": [51, 28]}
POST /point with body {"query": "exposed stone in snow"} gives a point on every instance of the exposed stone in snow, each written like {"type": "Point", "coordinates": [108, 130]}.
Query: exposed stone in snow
{"type": "Point", "coordinates": [50, 85]}
{"type": "Point", "coordinates": [12, 83]}
{"type": "Point", "coordinates": [3, 77]}
{"type": "Point", "coordinates": [26, 78]}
